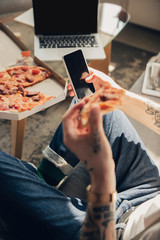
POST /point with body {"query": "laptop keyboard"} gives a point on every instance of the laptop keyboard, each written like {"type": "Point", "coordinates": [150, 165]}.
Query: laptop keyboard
{"type": "Point", "coordinates": [67, 41]}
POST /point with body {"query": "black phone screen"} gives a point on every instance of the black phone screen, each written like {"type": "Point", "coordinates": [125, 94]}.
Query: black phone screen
{"type": "Point", "coordinates": [78, 70]}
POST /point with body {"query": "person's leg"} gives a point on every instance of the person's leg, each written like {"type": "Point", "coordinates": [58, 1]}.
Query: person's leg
{"type": "Point", "coordinates": [34, 209]}
{"type": "Point", "coordinates": [58, 146]}
{"type": "Point", "coordinates": [136, 174]}
{"type": "Point", "coordinates": [58, 160]}
{"type": "Point", "coordinates": [129, 152]}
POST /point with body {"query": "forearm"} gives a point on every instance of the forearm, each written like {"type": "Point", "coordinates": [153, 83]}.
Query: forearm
{"type": "Point", "coordinates": [100, 222]}
{"type": "Point", "coordinates": [100, 216]}
{"type": "Point", "coordinates": [143, 110]}
{"type": "Point", "coordinates": [93, 149]}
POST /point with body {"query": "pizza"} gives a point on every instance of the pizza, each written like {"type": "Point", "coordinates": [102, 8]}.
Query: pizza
{"type": "Point", "coordinates": [22, 101]}
{"type": "Point", "coordinates": [14, 80]}
{"type": "Point", "coordinates": [27, 75]}
{"type": "Point", "coordinates": [5, 77]}
{"type": "Point", "coordinates": [9, 88]}
{"type": "Point", "coordinates": [108, 98]}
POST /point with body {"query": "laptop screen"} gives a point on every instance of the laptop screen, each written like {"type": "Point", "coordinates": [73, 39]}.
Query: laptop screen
{"type": "Point", "coordinates": [65, 16]}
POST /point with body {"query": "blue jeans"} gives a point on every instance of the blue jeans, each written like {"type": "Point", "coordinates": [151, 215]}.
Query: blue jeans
{"type": "Point", "coordinates": [35, 210]}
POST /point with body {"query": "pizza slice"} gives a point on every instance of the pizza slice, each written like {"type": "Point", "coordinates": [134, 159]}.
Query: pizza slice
{"type": "Point", "coordinates": [28, 75]}
{"type": "Point", "coordinates": [4, 77]}
{"type": "Point", "coordinates": [13, 96]}
{"type": "Point", "coordinates": [10, 89]}
{"type": "Point", "coordinates": [20, 102]}
{"type": "Point", "coordinates": [37, 74]}
{"type": "Point", "coordinates": [17, 74]}
{"type": "Point", "coordinates": [108, 98]}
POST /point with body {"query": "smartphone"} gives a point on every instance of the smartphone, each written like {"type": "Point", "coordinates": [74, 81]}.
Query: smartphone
{"type": "Point", "coordinates": [77, 69]}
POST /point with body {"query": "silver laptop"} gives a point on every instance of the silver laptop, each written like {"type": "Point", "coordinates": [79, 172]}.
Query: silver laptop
{"type": "Point", "coordinates": [62, 26]}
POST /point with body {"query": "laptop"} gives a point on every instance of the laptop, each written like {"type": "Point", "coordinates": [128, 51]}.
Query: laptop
{"type": "Point", "coordinates": [62, 26]}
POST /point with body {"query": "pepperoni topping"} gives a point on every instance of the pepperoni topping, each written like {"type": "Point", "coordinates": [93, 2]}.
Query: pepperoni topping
{"type": "Point", "coordinates": [35, 71]}
{"type": "Point", "coordinates": [11, 105]}
{"type": "Point", "coordinates": [1, 74]}
{"type": "Point", "coordinates": [16, 106]}
{"type": "Point", "coordinates": [36, 98]}
{"type": "Point", "coordinates": [24, 68]}
{"type": "Point", "coordinates": [30, 80]}
{"type": "Point", "coordinates": [3, 91]}
{"type": "Point", "coordinates": [31, 94]}
{"type": "Point", "coordinates": [24, 99]}
{"type": "Point", "coordinates": [103, 97]}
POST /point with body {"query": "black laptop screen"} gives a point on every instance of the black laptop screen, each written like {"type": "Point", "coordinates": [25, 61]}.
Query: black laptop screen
{"type": "Point", "coordinates": [65, 16]}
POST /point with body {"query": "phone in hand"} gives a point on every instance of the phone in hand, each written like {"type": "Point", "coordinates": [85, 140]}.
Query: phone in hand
{"type": "Point", "coordinates": [77, 69]}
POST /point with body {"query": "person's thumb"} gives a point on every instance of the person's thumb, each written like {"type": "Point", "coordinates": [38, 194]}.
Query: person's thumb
{"type": "Point", "coordinates": [95, 118]}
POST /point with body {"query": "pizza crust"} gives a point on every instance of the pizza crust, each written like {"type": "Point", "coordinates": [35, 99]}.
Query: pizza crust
{"type": "Point", "coordinates": [108, 98]}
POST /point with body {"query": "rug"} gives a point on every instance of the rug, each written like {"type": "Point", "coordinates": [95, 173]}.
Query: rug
{"type": "Point", "coordinates": [128, 62]}
{"type": "Point", "coordinates": [127, 65]}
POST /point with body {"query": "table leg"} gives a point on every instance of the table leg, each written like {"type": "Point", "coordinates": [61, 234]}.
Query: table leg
{"type": "Point", "coordinates": [17, 132]}
{"type": "Point", "coordinates": [103, 64]}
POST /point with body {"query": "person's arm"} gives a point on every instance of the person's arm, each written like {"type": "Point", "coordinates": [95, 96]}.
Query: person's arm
{"type": "Point", "coordinates": [100, 220]}
{"type": "Point", "coordinates": [142, 109]}
{"type": "Point", "coordinates": [93, 149]}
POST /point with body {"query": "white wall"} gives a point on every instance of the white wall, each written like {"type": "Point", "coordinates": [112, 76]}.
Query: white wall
{"type": "Point", "coordinates": [145, 13]}
{"type": "Point", "coordinates": [8, 6]}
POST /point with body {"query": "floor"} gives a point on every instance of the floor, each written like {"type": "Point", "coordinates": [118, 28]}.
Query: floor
{"type": "Point", "coordinates": [140, 37]}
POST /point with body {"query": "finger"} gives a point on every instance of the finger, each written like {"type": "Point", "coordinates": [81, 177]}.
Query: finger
{"type": "Point", "coordinates": [84, 75]}
{"type": "Point", "coordinates": [95, 118]}
{"type": "Point", "coordinates": [71, 112]}
{"type": "Point", "coordinates": [86, 99]}
{"type": "Point", "coordinates": [70, 121]}
{"type": "Point", "coordinates": [69, 86]}
{"type": "Point", "coordinates": [71, 93]}
{"type": "Point", "coordinates": [90, 78]}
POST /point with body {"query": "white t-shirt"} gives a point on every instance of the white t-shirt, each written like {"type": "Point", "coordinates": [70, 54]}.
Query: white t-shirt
{"type": "Point", "coordinates": [143, 217]}
{"type": "Point", "coordinates": [153, 233]}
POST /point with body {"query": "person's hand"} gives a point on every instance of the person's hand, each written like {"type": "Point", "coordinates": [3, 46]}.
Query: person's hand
{"type": "Point", "coordinates": [97, 78]}
{"type": "Point", "coordinates": [70, 89]}
{"type": "Point", "coordinates": [91, 146]}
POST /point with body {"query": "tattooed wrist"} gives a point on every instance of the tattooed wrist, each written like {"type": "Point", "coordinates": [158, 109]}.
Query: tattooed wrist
{"type": "Point", "coordinates": [96, 145]}
{"type": "Point", "coordinates": [99, 223]}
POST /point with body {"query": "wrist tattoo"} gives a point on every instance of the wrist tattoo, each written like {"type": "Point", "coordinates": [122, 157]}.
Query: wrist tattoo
{"type": "Point", "coordinates": [89, 169]}
{"type": "Point", "coordinates": [96, 146]}
{"type": "Point", "coordinates": [99, 222]}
